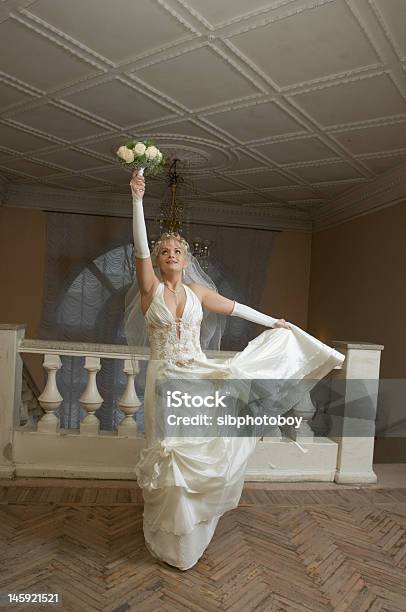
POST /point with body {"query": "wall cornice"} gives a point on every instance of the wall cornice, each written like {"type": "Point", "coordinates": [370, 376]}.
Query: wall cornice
{"type": "Point", "coordinates": [387, 190]}
{"type": "Point", "coordinates": [274, 217]}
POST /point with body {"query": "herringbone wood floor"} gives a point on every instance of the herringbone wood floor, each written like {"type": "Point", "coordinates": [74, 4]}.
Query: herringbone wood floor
{"type": "Point", "coordinates": [293, 550]}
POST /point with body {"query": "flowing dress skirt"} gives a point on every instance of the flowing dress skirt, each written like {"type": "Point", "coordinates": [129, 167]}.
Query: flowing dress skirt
{"type": "Point", "coordinates": [189, 482]}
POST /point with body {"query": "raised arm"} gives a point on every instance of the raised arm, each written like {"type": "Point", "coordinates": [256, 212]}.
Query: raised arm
{"type": "Point", "coordinates": [146, 277]}
{"type": "Point", "coordinates": [214, 302]}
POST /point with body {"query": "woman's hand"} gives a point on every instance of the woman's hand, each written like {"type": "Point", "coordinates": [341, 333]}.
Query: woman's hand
{"type": "Point", "coordinates": [281, 323]}
{"type": "Point", "coordinates": [137, 184]}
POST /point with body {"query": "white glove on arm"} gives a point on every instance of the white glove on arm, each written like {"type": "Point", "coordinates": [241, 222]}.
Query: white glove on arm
{"type": "Point", "coordinates": [248, 313]}
{"type": "Point", "coordinates": [141, 248]}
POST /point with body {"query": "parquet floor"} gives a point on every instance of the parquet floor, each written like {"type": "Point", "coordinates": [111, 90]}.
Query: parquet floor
{"type": "Point", "coordinates": [284, 549]}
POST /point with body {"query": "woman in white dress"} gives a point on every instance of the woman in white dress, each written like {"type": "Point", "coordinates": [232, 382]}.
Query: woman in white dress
{"type": "Point", "coordinates": [189, 482]}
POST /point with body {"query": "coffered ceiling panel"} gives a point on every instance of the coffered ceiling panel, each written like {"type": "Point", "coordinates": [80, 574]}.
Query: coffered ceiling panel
{"type": "Point", "coordinates": [288, 52]}
{"type": "Point", "coordinates": [330, 191]}
{"type": "Point", "coordinates": [117, 30]}
{"type": "Point", "coordinates": [292, 194]}
{"type": "Point", "coordinates": [374, 139]}
{"type": "Point", "coordinates": [120, 176]}
{"type": "Point", "coordinates": [11, 95]}
{"type": "Point", "coordinates": [290, 107]}
{"type": "Point", "coordinates": [134, 107]}
{"type": "Point", "coordinates": [331, 172]}
{"type": "Point", "coordinates": [291, 151]}
{"type": "Point", "coordinates": [18, 140]}
{"type": "Point", "coordinates": [393, 14]}
{"type": "Point", "coordinates": [37, 60]}
{"type": "Point", "coordinates": [76, 182]}
{"type": "Point", "coordinates": [198, 79]}
{"type": "Point", "coordinates": [28, 167]}
{"type": "Point", "coordinates": [217, 12]}
{"type": "Point", "coordinates": [58, 122]}
{"type": "Point", "coordinates": [335, 188]}
{"type": "Point", "coordinates": [70, 159]}
{"type": "Point", "coordinates": [245, 162]}
{"type": "Point", "coordinates": [264, 178]}
{"type": "Point", "coordinates": [215, 184]}
{"type": "Point", "coordinates": [188, 128]}
{"type": "Point", "coordinates": [255, 121]}
{"type": "Point", "coordinates": [359, 100]}
{"type": "Point", "coordinates": [383, 164]}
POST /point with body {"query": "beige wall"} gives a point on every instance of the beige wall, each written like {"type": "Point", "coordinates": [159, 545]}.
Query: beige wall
{"type": "Point", "coordinates": [357, 284]}
{"type": "Point", "coordinates": [22, 261]}
{"type": "Point", "coordinates": [358, 292]}
{"type": "Point", "coordinates": [286, 287]}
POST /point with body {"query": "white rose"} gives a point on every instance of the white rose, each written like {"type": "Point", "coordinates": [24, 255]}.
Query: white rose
{"type": "Point", "coordinates": [139, 148]}
{"type": "Point", "coordinates": [159, 156]}
{"type": "Point", "coordinates": [126, 154]}
{"type": "Point", "coordinates": [151, 153]}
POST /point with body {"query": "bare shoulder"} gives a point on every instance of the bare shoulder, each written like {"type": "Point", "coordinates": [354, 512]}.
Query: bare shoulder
{"type": "Point", "coordinates": [200, 290]}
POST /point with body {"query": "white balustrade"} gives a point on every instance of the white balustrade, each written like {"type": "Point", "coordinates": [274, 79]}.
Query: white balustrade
{"type": "Point", "coordinates": [11, 369]}
{"type": "Point", "coordinates": [93, 453]}
{"type": "Point", "coordinates": [356, 439]}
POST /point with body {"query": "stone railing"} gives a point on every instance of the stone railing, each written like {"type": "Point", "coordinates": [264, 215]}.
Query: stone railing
{"type": "Point", "coordinates": [89, 452]}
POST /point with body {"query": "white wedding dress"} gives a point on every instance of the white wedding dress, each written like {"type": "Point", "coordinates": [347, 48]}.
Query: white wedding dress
{"type": "Point", "coordinates": [189, 482]}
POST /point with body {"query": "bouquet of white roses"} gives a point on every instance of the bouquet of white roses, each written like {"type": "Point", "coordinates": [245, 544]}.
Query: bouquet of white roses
{"type": "Point", "coordinates": [143, 155]}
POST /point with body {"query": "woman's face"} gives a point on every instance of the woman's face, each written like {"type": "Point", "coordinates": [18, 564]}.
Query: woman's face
{"type": "Point", "coordinates": [171, 257]}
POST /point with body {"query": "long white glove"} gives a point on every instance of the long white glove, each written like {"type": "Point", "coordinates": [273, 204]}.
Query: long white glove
{"type": "Point", "coordinates": [248, 313]}
{"type": "Point", "coordinates": [141, 248]}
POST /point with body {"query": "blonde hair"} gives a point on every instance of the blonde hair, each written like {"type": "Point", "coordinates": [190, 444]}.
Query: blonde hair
{"type": "Point", "coordinates": [166, 236]}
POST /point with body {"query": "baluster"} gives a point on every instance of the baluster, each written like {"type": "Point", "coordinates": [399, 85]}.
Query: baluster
{"type": "Point", "coordinates": [50, 399]}
{"type": "Point", "coordinates": [129, 402]}
{"type": "Point", "coordinates": [91, 400]}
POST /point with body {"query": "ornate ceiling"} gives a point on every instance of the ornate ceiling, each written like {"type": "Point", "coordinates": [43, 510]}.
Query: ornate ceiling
{"type": "Point", "coordinates": [290, 113]}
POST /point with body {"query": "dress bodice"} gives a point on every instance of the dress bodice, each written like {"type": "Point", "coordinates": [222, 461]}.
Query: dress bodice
{"type": "Point", "coordinates": [171, 339]}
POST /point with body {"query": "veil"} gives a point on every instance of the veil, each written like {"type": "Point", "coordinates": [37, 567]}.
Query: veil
{"type": "Point", "coordinates": [212, 326]}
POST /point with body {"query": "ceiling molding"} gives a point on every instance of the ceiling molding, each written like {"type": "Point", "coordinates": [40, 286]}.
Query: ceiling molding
{"type": "Point", "coordinates": [383, 192]}
{"type": "Point", "coordinates": [278, 217]}
{"type": "Point", "coordinates": [307, 96]}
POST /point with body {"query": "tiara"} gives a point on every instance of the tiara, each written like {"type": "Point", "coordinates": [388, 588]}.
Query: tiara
{"type": "Point", "coordinates": [170, 236]}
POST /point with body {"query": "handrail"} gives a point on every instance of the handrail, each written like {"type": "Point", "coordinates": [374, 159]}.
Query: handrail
{"type": "Point", "coordinates": [88, 349]}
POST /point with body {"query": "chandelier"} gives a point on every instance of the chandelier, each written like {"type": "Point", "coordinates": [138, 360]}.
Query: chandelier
{"type": "Point", "coordinates": [201, 250]}
{"type": "Point", "coordinates": [171, 216]}
{"type": "Point", "coordinates": [171, 210]}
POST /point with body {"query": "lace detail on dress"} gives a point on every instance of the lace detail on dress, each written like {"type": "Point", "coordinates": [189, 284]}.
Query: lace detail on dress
{"type": "Point", "coordinates": [165, 343]}
{"type": "Point", "coordinates": [162, 329]}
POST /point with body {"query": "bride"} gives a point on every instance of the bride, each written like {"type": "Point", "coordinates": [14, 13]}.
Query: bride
{"type": "Point", "coordinates": [189, 482]}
